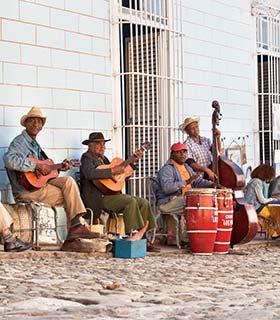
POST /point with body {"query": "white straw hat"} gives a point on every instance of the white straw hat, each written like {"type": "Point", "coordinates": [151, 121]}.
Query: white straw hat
{"type": "Point", "coordinates": [34, 112]}
{"type": "Point", "coordinates": [187, 122]}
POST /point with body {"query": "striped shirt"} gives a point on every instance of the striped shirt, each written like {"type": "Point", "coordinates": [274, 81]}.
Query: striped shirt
{"type": "Point", "coordinates": [200, 152]}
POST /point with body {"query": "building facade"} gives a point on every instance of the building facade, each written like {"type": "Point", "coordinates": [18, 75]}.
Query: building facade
{"type": "Point", "coordinates": [135, 69]}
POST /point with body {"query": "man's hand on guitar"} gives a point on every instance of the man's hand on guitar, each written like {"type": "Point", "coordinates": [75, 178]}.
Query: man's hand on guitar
{"type": "Point", "coordinates": [44, 169]}
{"type": "Point", "coordinates": [118, 169]}
{"type": "Point", "coordinates": [66, 165]}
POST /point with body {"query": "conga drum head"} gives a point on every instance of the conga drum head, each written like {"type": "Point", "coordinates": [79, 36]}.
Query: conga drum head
{"type": "Point", "coordinates": [225, 192]}
{"type": "Point", "coordinates": [202, 191]}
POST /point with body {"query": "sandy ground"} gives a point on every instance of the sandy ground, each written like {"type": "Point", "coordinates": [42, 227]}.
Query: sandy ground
{"type": "Point", "coordinates": [170, 285]}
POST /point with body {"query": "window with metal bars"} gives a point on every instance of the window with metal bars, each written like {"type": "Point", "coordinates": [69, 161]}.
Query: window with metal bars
{"type": "Point", "coordinates": [268, 60]}
{"type": "Point", "coordinates": [150, 77]}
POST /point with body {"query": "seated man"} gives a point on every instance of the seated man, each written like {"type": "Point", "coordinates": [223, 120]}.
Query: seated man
{"type": "Point", "coordinates": [61, 191]}
{"type": "Point", "coordinates": [11, 243]}
{"type": "Point", "coordinates": [137, 211]}
{"type": "Point", "coordinates": [174, 179]}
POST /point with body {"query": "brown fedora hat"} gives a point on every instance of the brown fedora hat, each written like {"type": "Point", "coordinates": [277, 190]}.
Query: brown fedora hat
{"type": "Point", "coordinates": [95, 137]}
{"type": "Point", "coordinates": [34, 112]}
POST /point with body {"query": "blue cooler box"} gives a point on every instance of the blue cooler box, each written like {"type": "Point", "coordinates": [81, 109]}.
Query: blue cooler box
{"type": "Point", "coordinates": [130, 248]}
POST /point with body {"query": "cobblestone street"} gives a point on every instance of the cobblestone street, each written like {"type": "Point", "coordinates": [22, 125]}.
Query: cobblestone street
{"type": "Point", "coordinates": [170, 285]}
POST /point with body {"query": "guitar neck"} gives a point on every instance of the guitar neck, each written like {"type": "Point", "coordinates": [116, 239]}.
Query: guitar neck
{"type": "Point", "coordinates": [129, 161]}
{"type": "Point", "coordinates": [133, 158]}
{"type": "Point", "coordinates": [57, 166]}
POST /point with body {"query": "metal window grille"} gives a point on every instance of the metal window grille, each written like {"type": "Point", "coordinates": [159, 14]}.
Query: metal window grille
{"type": "Point", "coordinates": [148, 79]}
{"type": "Point", "coordinates": [268, 60]}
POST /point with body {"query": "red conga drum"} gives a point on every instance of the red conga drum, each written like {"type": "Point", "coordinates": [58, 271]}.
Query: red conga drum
{"type": "Point", "coordinates": [225, 221]}
{"type": "Point", "coordinates": [201, 220]}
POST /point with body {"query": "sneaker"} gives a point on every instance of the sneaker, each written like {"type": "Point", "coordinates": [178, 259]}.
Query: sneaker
{"type": "Point", "coordinates": [77, 245]}
{"type": "Point", "coordinates": [81, 231]}
{"type": "Point", "coordinates": [17, 245]}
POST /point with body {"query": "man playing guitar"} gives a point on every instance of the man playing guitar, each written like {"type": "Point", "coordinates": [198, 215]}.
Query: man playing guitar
{"type": "Point", "coordinates": [57, 191]}
{"type": "Point", "coordinates": [137, 211]}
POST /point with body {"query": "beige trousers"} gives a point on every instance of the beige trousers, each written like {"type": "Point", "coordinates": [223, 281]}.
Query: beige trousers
{"type": "Point", "coordinates": [61, 191]}
{"type": "Point", "coordinates": [5, 219]}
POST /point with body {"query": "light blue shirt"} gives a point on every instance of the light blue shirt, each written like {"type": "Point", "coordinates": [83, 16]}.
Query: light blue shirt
{"type": "Point", "coordinates": [253, 193]}
{"type": "Point", "coordinates": [21, 147]}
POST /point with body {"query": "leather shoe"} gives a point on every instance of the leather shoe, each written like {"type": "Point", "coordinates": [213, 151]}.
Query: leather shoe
{"type": "Point", "coordinates": [17, 245]}
{"type": "Point", "coordinates": [81, 231]}
{"type": "Point", "coordinates": [152, 248]}
{"type": "Point", "coordinates": [77, 245]}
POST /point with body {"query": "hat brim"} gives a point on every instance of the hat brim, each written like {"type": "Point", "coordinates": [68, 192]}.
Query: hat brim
{"type": "Point", "coordinates": [25, 117]}
{"type": "Point", "coordinates": [87, 142]}
{"type": "Point", "coordinates": [181, 149]}
{"type": "Point", "coordinates": [184, 125]}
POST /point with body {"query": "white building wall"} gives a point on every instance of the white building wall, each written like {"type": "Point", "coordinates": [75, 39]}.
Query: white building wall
{"type": "Point", "coordinates": [55, 54]}
{"type": "Point", "coordinates": [219, 60]}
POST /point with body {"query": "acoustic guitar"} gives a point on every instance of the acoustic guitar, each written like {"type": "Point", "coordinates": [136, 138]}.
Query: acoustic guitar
{"type": "Point", "coordinates": [36, 180]}
{"type": "Point", "coordinates": [116, 183]}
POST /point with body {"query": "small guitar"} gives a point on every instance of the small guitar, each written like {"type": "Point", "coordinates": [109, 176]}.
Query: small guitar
{"type": "Point", "coordinates": [36, 180]}
{"type": "Point", "coordinates": [116, 184]}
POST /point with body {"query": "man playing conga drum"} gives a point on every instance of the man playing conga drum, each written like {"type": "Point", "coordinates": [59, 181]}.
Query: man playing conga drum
{"type": "Point", "coordinates": [175, 178]}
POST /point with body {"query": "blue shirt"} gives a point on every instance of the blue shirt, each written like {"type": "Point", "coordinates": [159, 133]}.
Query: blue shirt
{"type": "Point", "coordinates": [21, 147]}
{"type": "Point", "coordinates": [169, 182]}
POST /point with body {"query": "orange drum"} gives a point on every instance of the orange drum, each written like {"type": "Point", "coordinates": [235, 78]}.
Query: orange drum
{"type": "Point", "coordinates": [201, 220]}
{"type": "Point", "coordinates": [225, 221]}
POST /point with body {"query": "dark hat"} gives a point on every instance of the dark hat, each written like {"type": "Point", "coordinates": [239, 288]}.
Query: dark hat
{"type": "Point", "coordinates": [95, 137]}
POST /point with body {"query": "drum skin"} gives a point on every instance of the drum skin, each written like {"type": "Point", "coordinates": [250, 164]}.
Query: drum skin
{"type": "Point", "coordinates": [201, 220]}
{"type": "Point", "coordinates": [225, 221]}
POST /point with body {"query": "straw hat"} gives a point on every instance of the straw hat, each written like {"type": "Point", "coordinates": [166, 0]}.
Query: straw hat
{"type": "Point", "coordinates": [95, 137]}
{"type": "Point", "coordinates": [187, 122]}
{"type": "Point", "coordinates": [34, 112]}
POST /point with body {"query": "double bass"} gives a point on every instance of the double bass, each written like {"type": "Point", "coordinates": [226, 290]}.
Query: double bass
{"type": "Point", "coordinates": [230, 175]}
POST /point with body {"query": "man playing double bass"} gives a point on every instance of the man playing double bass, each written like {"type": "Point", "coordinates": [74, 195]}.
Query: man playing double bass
{"type": "Point", "coordinates": [224, 173]}
{"type": "Point", "coordinates": [137, 211]}
{"type": "Point", "coordinates": [199, 148]}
